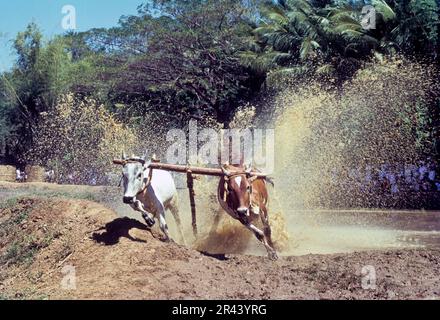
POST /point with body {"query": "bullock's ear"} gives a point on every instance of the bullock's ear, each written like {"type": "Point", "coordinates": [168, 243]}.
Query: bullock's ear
{"type": "Point", "coordinates": [270, 181]}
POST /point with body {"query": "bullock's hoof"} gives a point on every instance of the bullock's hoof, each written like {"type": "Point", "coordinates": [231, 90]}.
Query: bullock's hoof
{"type": "Point", "coordinates": [168, 240]}
{"type": "Point", "coordinates": [273, 256]}
{"type": "Point", "coordinates": [150, 222]}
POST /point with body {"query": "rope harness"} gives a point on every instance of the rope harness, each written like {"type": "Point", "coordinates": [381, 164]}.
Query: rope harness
{"type": "Point", "coordinates": [147, 182]}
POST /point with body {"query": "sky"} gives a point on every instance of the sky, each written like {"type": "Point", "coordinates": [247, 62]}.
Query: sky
{"type": "Point", "coordinates": [15, 15]}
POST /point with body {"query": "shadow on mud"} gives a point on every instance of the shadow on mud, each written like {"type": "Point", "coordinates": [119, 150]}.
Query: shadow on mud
{"type": "Point", "coordinates": [220, 257]}
{"type": "Point", "coordinates": [117, 229]}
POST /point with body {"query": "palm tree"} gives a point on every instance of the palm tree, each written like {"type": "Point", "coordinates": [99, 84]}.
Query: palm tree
{"type": "Point", "coordinates": [303, 36]}
{"type": "Point", "coordinates": [327, 37]}
{"type": "Point", "coordinates": [410, 26]}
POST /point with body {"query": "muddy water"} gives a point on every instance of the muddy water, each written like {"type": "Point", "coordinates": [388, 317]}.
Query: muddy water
{"type": "Point", "coordinates": [334, 231]}
{"type": "Point", "coordinates": [326, 231]}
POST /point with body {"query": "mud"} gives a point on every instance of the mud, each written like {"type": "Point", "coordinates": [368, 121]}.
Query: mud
{"type": "Point", "coordinates": [119, 258]}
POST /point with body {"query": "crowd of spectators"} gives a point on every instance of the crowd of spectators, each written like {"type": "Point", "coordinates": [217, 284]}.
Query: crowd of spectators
{"type": "Point", "coordinates": [391, 178]}
{"type": "Point", "coordinates": [387, 185]}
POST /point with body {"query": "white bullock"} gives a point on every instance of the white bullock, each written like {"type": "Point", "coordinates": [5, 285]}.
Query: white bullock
{"type": "Point", "coordinates": [150, 192]}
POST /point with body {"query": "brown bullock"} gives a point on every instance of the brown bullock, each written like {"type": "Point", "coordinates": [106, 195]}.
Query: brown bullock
{"type": "Point", "coordinates": [244, 197]}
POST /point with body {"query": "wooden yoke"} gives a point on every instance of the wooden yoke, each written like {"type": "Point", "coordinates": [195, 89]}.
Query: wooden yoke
{"type": "Point", "coordinates": [199, 170]}
{"type": "Point", "coordinates": [190, 173]}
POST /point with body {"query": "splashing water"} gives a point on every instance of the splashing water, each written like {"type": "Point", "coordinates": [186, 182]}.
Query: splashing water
{"type": "Point", "coordinates": [322, 135]}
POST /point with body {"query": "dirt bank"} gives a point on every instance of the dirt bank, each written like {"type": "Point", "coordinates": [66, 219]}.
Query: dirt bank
{"type": "Point", "coordinates": [41, 240]}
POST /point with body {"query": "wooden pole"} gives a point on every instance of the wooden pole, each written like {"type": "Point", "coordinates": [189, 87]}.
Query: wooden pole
{"type": "Point", "coordinates": [190, 184]}
{"type": "Point", "coordinates": [197, 170]}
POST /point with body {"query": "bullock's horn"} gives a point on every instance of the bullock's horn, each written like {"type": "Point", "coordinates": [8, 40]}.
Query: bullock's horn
{"type": "Point", "coordinates": [124, 155]}
{"type": "Point", "coordinates": [226, 172]}
{"type": "Point", "coordinates": [252, 179]}
{"type": "Point", "coordinates": [248, 169]}
{"type": "Point", "coordinates": [145, 155]}
{"type": "Point", "coordinates": [119, 162]}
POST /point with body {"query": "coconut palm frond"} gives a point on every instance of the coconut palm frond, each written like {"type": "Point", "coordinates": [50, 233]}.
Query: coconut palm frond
{"type": "Point", "coordinates": [301, 5]}
{"type": "Point", "coordinates": [275, 13]}
{"type": "Point", "coordinates": [349, 28]}
{"type": "Point", "coordinates": [307, 47]}
{"type": "Point", "coordinates": [290, 72]}
{"type": "Point", "coordinates": [385, 11]}
{"type": "Point", "coordinates": [325, 69]}
{"type": "Point", "coordinates": [256, 62]}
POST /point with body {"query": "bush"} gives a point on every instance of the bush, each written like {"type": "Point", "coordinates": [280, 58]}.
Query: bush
{"type": "Point", "coordinates": [80, 137]}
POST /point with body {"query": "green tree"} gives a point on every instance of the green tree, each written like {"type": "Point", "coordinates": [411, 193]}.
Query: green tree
{"type": "Point", "coordinates": [41, 74]}
{"type": "Point", "coordinates": [409, 26]}
{"type": "Point", "coordinates": [181, 60]}
{"type": "Point", "coordinates": [298, 37]}
{"type": "Point", "coordinates": [20, 103]}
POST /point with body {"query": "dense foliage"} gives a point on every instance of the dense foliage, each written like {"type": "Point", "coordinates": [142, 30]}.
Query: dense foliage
{"type": "Point", "coordinates": [78, 137]}
{"type": "Point", "coordinates": [177, 60]}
